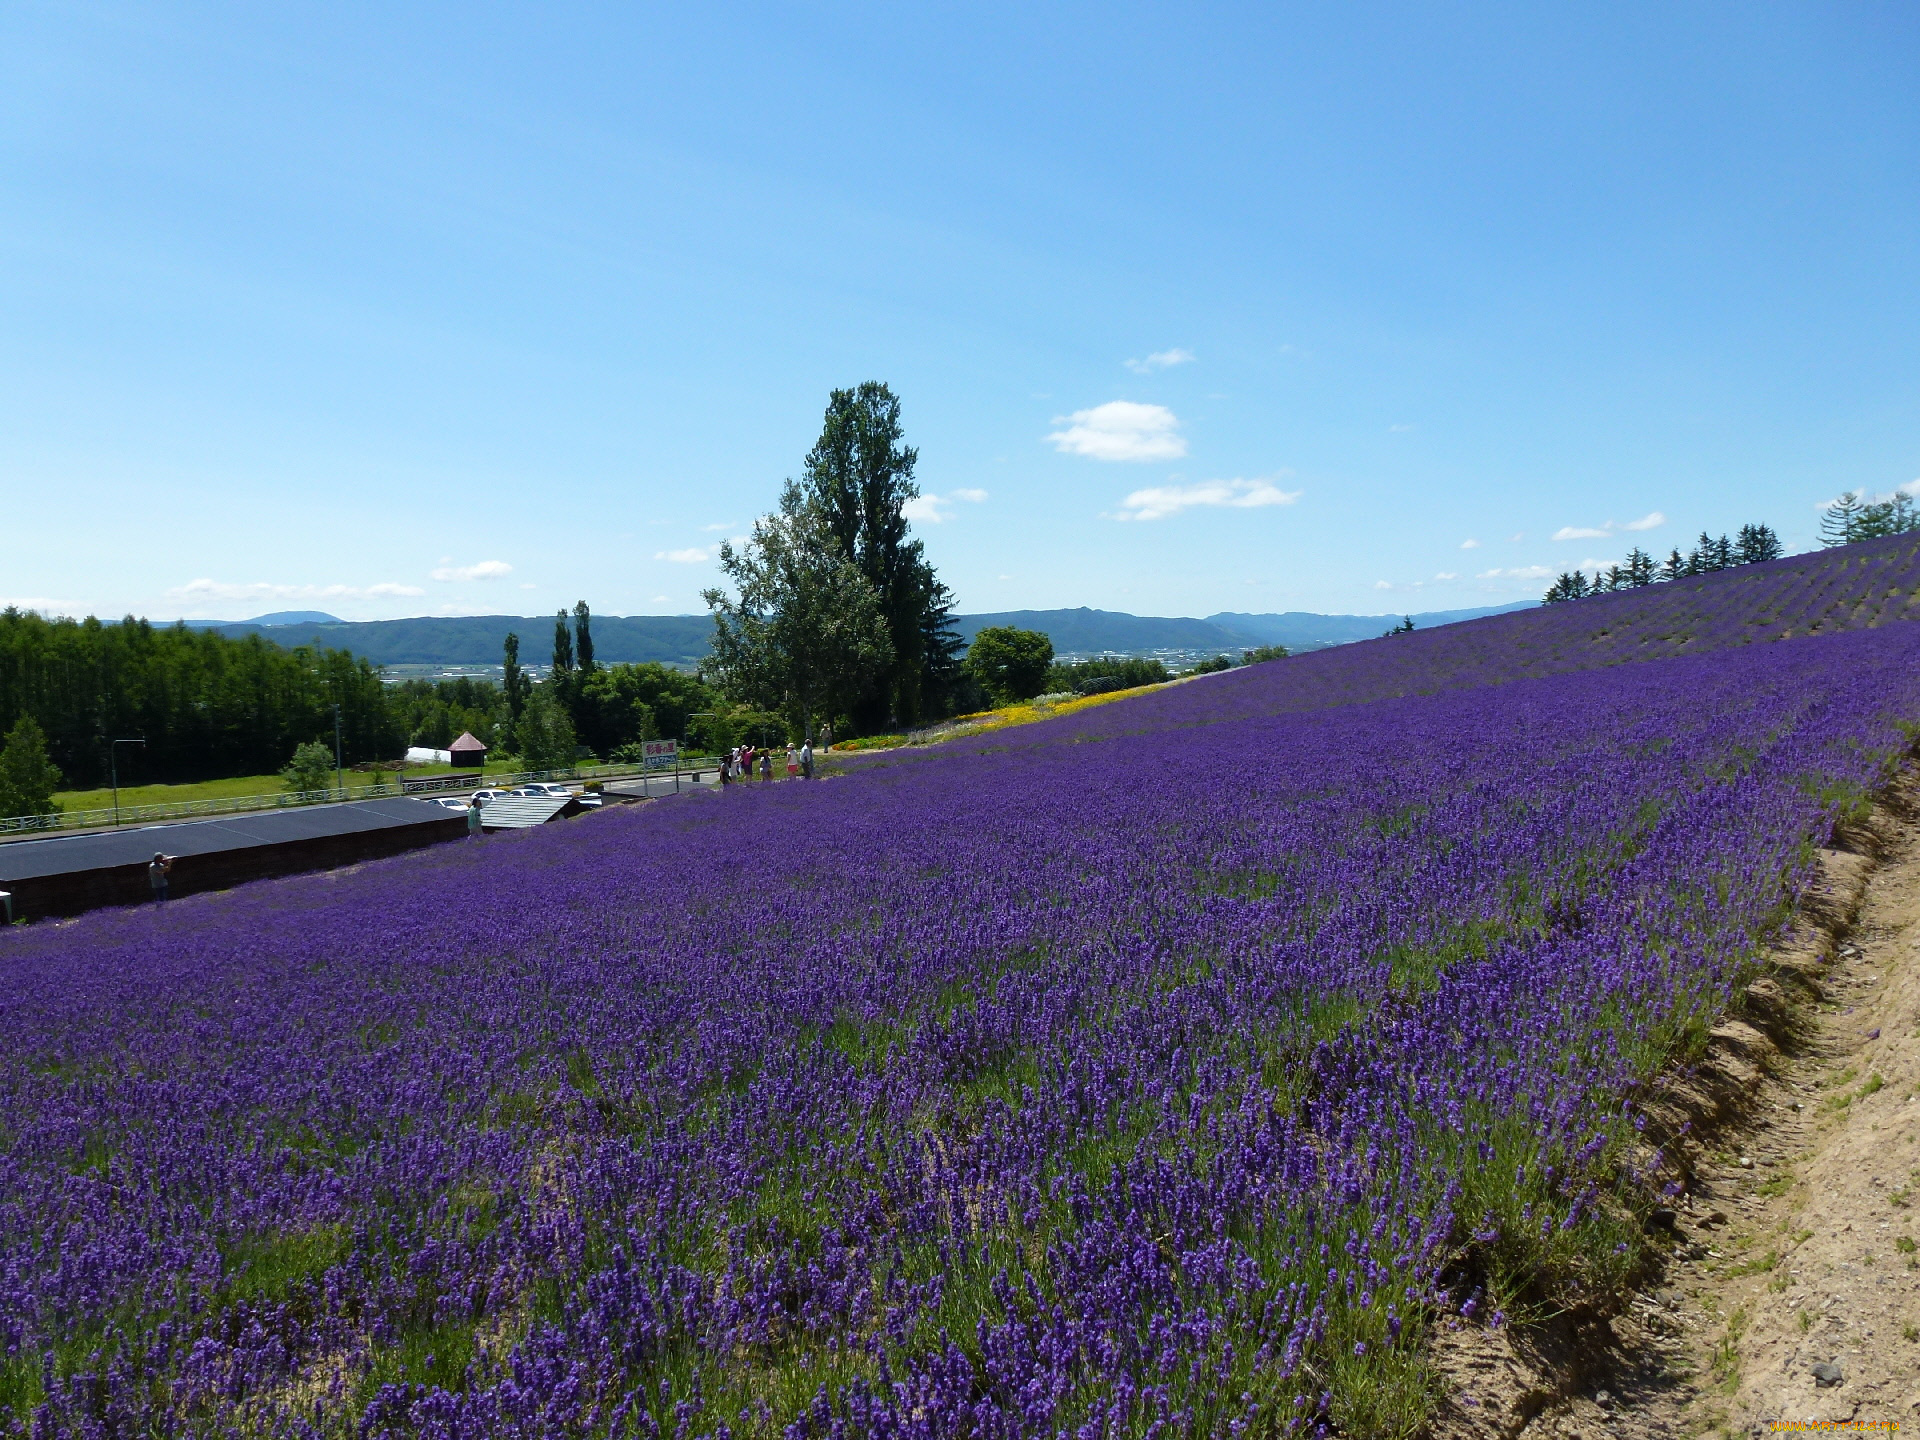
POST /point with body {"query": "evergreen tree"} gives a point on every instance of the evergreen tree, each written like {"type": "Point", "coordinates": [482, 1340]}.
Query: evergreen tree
{"type": "Point", "coordinates": [1570, 585]}
{"type": "Point", "coordinates": [27, 777]}
{"type": "Point", "coordinates": [1893, 516]}
{"type": "Point", "coordinates": [1757, 544]}
{"type": "Point", "coordinates": [1641, 569]}
{"type": "Point", "coordinates": [1675, 566]}
{"type": "Point", "coordinates": [942, 674]}
{"type": "Point", "coordinates": [1841, 520]}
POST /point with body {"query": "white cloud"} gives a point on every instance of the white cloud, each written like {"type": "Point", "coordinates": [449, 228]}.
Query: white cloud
{"type": "Point", "coordinates": [933, 509]}
{"type": "Point", "coordinates": [1158, 501]}
{"type": "Point", "coordinates": [692, 555]}
{"type": "Point", "coordinates": [926, 509]}
{"type": "Point", "coordinates": [1446, 575]}
{"type": "Point", "coordinates": [1517, 538]}
{"type": "Point", "coordinates": [528, 585]}
{"type": "Point", "coordinates": [661, 600]}
{"type": "Point", "coordinates": [1383, 585]}
{"type": "Point", "coordinates": [1121, 430]}
{"type": "Point", "coordinates": [1160, 360]}
{"type": "Point", "coordinates": [204, 589]}
{"type": "Point", "coordinates": [1652, 520]}
{"type": "Point", "coordinates": [39, 603]}
{"type": "Point", "coordinates": [724, 525]}
{"type": "Point", "coordinates": [481, 570]}
{"type": "Point", "coordinates": [1519, 572]}
{"type": "Point", "coordinates": [1469, 544]}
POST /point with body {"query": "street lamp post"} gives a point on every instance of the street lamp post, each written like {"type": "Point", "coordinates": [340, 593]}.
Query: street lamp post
{"type": "Point", "coordinates": [339, 770]}
{"type": "Point", "coordinates": [113, 763]}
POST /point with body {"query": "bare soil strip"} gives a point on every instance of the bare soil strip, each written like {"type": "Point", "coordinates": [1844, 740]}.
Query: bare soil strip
{"type": "Point", "coordinates": [1791, 1288]}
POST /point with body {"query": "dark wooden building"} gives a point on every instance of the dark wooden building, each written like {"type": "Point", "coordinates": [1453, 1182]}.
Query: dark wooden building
{"type": "Point", "coordinates": [468, 752]}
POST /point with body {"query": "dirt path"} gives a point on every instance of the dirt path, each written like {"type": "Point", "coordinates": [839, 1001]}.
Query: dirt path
{"type": "Point", "coordinates": [1793, 1291]}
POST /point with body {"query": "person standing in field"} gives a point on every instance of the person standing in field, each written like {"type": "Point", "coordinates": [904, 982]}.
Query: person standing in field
{"type": "Point", "coordinates": [793, 765]}
{"type": "Point", "coordinates": [766, 766]}
{"type": "Point", "coordinates": [806, 759]}
{"type": "Point", "coordinates": [157, 873]}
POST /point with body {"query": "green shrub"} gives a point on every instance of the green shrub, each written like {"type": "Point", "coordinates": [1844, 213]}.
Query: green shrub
{"type": "Point", "coordinates": [1010, 664]}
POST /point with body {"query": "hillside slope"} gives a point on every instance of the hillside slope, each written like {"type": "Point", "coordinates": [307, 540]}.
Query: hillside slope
{"type": "Point", "coordinates": [1824, 592]}
{"type": "Point", "coordinates": [1180, 1079]}
{"type": "Point", "coordinates": [1303, 630]}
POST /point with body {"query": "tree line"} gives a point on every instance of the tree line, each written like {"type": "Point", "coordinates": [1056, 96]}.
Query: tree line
{"type": "Point", "coordinates": [1754, 544]}
{"type": "Point", "coordinates": [1845, 521]}
{"type": "Point", "coordinates": [206, 705]}
{"type": "Point", "coordinates": [1853, 517]}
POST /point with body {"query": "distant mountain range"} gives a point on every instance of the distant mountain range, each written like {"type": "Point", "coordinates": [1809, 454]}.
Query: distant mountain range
{"type": "Point", "coordinates": [1304, 630]}
{"type": "Point", "coordinates": [682, 639]}
{"type": "Point", "coordinates": [478, 639]}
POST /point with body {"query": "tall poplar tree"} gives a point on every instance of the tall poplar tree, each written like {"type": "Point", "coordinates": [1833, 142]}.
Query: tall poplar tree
{"type": "Point", "coordinates": [859, 479]}
{"type": "Point", "coordinates": [583, 638]}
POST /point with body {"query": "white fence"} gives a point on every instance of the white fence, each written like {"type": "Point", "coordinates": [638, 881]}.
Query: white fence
{"type": "Point", "coordinates": [240, 804]}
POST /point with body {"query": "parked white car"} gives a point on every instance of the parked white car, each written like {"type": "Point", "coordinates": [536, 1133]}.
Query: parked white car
{"type": "Point", "coordinates": [550, 788]}
{"type": "Point", "coordinates": [481, 797]}
{"type": "Point", "coordinates": [452, 802]}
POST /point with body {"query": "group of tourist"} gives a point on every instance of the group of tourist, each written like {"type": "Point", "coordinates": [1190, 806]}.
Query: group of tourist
{"type": "Point", "coordinates": [738, 763]}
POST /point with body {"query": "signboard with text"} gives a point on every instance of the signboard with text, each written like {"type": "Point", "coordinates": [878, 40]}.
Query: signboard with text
{"type": "Point", "coordinates": [659, 754]}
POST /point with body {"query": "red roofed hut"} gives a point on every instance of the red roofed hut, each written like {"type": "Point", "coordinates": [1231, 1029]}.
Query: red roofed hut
{"type": "Point", "coordinates": [468, 752]}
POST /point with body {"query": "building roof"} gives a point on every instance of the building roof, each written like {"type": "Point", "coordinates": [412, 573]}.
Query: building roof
{"type": "Point", "coordinates": [466, 742]}
{"type": "Point", "coordinates": [64, 854]}
{"type": "Point", "coordinates": [521, 812]}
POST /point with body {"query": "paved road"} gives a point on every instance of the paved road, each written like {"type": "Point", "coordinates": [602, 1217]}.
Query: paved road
{"type": "Point", "coordinates": [656, 785]}
{"type": "Point", "coordinates": [651, 786]}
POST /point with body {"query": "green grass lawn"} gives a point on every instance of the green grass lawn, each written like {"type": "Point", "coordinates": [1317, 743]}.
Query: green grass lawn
{"type": "Point", "coordinates": [213, 789]}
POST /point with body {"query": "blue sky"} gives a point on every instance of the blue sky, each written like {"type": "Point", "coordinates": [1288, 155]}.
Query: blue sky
{"type": "Point", "coordinates": [412, 310]}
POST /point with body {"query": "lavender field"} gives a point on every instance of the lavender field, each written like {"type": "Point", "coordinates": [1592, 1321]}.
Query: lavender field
{"type": "Point", "coordinates": [1161, 1070]}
